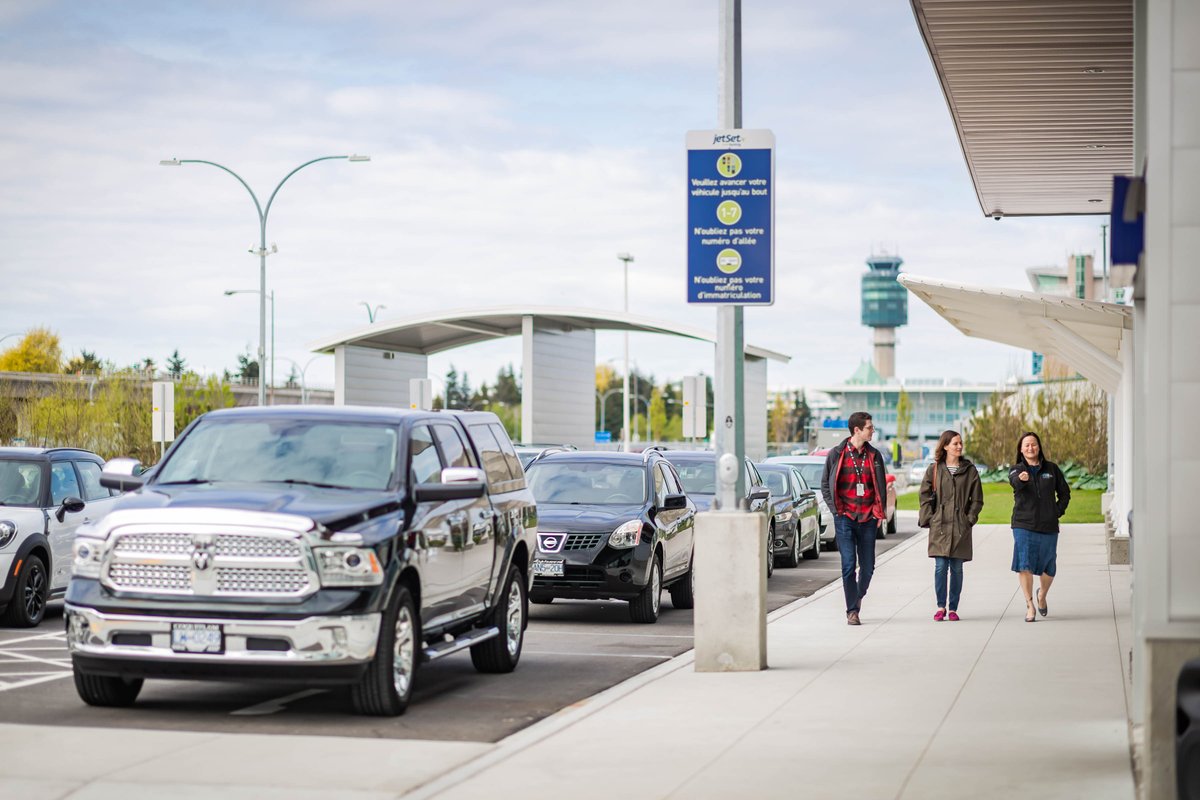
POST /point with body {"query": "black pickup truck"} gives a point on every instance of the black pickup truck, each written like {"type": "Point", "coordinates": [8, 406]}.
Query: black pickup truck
{"type": "Point", "coordinates": [324, 545]}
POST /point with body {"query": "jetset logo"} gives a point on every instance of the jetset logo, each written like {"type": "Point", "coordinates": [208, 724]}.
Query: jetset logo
{"type": "Point", "coordinates": [727, 138]}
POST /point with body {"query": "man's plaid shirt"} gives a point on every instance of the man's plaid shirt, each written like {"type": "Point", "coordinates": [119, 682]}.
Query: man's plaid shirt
{"type": "Point", "coordinates": [850, 504]}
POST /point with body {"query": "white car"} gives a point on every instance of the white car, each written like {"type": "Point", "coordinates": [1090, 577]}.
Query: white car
{"type": "Point", "coordinates": [45, 494]}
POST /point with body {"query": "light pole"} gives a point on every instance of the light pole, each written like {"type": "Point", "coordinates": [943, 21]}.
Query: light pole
{"type": "Point", "coordinates": [372, 311]}
{"type": "Point", "coordinates": [261, 250]}
{"type": "Point", "coordinates": [304, 369]}
{"type": "Point", "coordinates": [8, 336]}
{"type": "Point", "coordinates": [625, 258]}
{"type": "Point", "coordinates": [603, 400]}
{"type": "Point", "coordinates": [262, 367]}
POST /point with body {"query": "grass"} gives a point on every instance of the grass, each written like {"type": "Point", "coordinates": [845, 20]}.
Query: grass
{"type": "Point", "coordinates": [998, 503]}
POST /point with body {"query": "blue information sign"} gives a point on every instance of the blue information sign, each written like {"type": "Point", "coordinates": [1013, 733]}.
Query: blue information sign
{"type": "Point", "coordinates": [731, 214]}
{"type": "Point", "coordinates": [603, 436]}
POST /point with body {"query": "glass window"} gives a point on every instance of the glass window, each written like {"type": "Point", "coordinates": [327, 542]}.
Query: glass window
{"type": "Point", "coordinates": [453, 450]}
{"type": "Point", "coordinates": [587, 483]}
{"type": "Point", "coordinates": [801, 483]}
{"type": "Point", "coordinates": [89, 473]}
{"type": "Point", "coordinates": [777, 483]}
{"type": "Point", "coordinates": [63, 483]}
{"type": "Point", "coordinates": [510, 454]}
{"type": "Point", "coordinates": [660, 486]}
{"type": "Point", "coordinates": [494, 462]}
{"type": "Point", "coordinates": [20, 483]}
{"type": "Point", "coordinates": [698, 477]}
{"type": "Point", "coordinates": [424, 464]}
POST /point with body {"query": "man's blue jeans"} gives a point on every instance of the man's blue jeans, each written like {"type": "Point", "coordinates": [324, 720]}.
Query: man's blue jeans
{"type": "Point", "coordinates": [856, 543]}
{"type": "Point", "coordinates": [941, 566]}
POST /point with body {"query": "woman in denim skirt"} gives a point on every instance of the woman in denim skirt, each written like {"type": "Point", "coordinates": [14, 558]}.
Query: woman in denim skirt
{"type": "Point", "coordinates": [1040, 496]}
{"type": "Point", "coordinates": [951, 499]}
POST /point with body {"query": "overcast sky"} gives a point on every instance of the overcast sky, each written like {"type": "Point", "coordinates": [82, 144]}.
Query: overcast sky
{"type": "Point", "coordinates": [516, 148]}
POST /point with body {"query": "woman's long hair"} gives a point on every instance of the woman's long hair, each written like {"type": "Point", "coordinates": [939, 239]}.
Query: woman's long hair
{"type": "Point", "coordinates": [1041, 450]}
{"type": "Point", "coordinates": [939, 450]}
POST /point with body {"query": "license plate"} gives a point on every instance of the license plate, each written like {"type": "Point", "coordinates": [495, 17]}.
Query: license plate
{"type": "Point", "coordinates": [547, 568]}
{"type": "Point", "coordinates": [197, 637]}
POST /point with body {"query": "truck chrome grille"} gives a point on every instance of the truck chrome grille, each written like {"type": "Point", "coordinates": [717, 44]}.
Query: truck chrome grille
{"type": "Point", "coordinates": [241, 580]}
{"type": "Point", "coordinates": [151, 577]}
{"type": "Point", "coordinates": [229, 564]}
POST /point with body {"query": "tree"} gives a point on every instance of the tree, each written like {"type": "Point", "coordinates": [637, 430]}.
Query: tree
{"type": "Point", "coordinates": [247, 367]}
{"type": "Point", "coordinates": [84, 362]}
{"type": "Point", "coordinates": [507, 390]}
{"type": "Point", "coordinates": [801, 416]}
{"type": "Point", "coordinates": [779, 421]}
{"type": "Point", "coordinates": [658, 416]}
{"type": "Point", "coordinates": [903, 416]}
{"type": "Point", "coordinates": [39, 350]}
{"type": "Point", "coordinates": [176, 365]}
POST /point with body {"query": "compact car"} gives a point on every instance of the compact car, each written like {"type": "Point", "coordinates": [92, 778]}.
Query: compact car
{"type": "Point", "coordinates": [612, 526]}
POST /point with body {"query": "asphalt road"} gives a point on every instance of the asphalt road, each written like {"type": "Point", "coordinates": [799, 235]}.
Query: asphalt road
{"type": "Point", "coordinates": [573, 649]}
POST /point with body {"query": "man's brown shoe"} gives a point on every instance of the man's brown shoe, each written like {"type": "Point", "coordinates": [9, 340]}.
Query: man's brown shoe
{"type": "Point", "coordinates": [852, 618]}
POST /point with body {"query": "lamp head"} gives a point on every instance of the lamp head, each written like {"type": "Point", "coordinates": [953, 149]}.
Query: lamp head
{"type": "Point", "coordinates": [358, 158]}
{"type": "Point", "coordinates": [626, 257]}
{"type": "Point", "coordinates": [169, 162]}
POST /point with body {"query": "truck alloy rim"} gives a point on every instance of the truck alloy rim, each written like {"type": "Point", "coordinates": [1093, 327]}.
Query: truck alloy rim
{"type": "Point", "coordinates": [35, 586]}
{"type": "Point", "coordinates": [514, 619]}
{"type": "Point", "coordinates": [402, 661]}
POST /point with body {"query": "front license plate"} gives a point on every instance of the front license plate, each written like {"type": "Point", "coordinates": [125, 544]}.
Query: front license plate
{"type": "Point", "coordinates": [547, 568]}
{"type": "Point", "coordinates": [197, 637]}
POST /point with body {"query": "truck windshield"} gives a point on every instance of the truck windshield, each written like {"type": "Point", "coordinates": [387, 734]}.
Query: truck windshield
{"type": "Point", "coordinates": [322, 453]}
{"type": "Point", "coordinates": [587, 483]}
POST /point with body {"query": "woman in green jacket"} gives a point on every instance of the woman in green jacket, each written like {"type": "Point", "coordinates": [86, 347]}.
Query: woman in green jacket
{"type": "Point", "coordinates": [951, 499]}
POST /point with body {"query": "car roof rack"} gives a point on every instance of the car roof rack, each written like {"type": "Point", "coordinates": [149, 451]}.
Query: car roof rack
{"type": "Point", "coordinates": [558, 448]}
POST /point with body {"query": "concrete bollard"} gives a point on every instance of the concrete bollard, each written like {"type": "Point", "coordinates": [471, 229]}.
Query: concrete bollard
{"type": "Point", "coordinates": [731, 591]}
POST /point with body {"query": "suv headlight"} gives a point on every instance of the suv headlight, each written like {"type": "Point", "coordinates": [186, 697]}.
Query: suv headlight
{"type": "Point", "coordinates": [348, 566]}
{"type": "Point", "coordinates": [627, 535]}
{"type": "Point", "coordinates": [8, 532]}
{"type": "Point", "coordinates": [89, 555]}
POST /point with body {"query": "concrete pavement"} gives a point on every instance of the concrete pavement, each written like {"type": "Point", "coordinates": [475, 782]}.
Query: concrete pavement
{"type": "Point", "coordinates": [901, 707]}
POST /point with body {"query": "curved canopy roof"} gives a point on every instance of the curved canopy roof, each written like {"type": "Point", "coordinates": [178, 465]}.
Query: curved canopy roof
{"type": "Point", "coordinates": [432, 333]}
{"type": "Point", "coordinates": [1087, 334]}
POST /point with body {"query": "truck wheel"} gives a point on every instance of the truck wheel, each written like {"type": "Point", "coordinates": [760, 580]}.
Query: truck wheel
{"type": "Point", "coordinates": [683, 591]}
{"type": "Point", "coordinates": [644, 607]}
{"type": "Point", "coordinates": [105, 690]}
{"type": "Point", "coordinates": [387, 687]}
{"type": "Point", "coordinates": [501, 653]}
{"type": "Point", "coordinates": [28, 604]}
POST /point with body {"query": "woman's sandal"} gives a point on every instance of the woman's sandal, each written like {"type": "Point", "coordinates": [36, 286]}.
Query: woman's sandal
{"type": "Point", "coordinates": [1042, 609]}
{"type": "Point", "coordinates": [1030, 611]}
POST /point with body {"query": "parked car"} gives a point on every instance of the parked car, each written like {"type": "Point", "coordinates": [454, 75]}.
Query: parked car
{"type": "Point", "coordinates": [612, 525]}
{"type": "Point", "coordinates": [806, 465]}
{"type": "Point", "coordinates": [45, 494]}
{"type": "Point", "coordinates": [698, 472]}
{"type": "Point", "coordinates": [796, 514]}
{"type": "Point", "coordinates": [810, 468]}
{"type": "Point", "coordinates": [327, 545]}
{"type": "Point", "coordinates": [916, 471]}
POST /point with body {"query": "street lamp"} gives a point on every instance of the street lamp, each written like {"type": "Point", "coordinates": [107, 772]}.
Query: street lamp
{"type": "Point", "coordinates": [372, 311]}
{"type": "Point", "coordinates": [625, 258]}
{"type": "Point", "coordinates": [261, 251]}
{"type": "Point", "coordinates": [261, 365]}
{"type": "Point", "coordinates": [304, 369]}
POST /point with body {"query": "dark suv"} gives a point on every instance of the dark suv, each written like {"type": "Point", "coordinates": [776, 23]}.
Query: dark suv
{"type": "Point", "coordinates": [325, 545]}
{"type": "Point", "coordinates": [42, 494]}
{"type": "Point", "coordinates": [612, 526]}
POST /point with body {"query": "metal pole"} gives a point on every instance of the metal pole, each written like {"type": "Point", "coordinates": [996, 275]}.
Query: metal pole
{"type": "Point", "coordinates": [272, 347]}
{"type": "Point", "coordinates": [1104, 256]}
{"type": "Point", "coordinates": [625, 258]}
{"type": "Point", "coordinates": [730, 428]}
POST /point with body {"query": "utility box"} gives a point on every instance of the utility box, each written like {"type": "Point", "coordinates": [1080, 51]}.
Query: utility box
{"type": "Point", "coordinates": [695, 407]}
{"type": "Point", "coordinates": [162, 412]}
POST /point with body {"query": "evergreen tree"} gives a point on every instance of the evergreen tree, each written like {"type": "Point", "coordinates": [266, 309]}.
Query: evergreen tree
{"type": "Point", "coordinates": [176, 365]}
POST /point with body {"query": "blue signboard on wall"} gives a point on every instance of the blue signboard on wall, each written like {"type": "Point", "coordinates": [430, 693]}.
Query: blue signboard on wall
{"type": "Point", "coordinates": [731, 214]}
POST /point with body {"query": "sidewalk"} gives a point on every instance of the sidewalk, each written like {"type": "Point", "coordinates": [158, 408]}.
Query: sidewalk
{"type": "Point", "coordinates": [901, 707]}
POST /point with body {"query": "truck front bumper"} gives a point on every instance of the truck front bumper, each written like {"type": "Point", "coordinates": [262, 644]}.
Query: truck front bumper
{"type": "Point", "coordinates": [345, 640]}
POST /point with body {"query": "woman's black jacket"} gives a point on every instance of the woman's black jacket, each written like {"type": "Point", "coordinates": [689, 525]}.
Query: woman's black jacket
{"type": "Point", "coordinates": [1040, 501]}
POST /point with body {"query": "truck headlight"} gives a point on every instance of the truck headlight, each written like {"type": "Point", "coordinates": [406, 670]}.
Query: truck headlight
{"type": "Point", "coordinates": [8, 532]}
{"type": "Point", "coordinates": [348, 566]}
{"type": "Point", "coordinates": [627, 535]}
{"type": "Point", "coordinates": [89, 555]}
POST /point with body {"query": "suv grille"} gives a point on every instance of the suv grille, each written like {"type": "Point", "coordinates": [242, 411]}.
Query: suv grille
{"type": "Point", "coordinates": [583, 541]}
{"type": "Point", "coordinates": [226, 564]}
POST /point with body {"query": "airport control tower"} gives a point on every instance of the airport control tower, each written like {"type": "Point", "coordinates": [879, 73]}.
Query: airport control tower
{"type": "Point", "coordinates": [884, 308]}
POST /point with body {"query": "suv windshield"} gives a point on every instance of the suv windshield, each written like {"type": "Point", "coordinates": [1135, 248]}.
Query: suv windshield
{"type": "Point", "coordinates": [20, 483]}
{"type": "Point", "coordinates": [337, 454]}
{"type": "Point", "coordinates": [697, 477]}
{"type": "Point", "coordinates": [587, 483]}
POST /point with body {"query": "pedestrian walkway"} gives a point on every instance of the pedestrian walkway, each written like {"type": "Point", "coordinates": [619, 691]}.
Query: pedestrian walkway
{"type": "Point", "coordinates": [901, 707]}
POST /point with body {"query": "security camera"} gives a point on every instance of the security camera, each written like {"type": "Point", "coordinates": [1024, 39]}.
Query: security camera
{"type": "Point", "coordinates": [997, 217]}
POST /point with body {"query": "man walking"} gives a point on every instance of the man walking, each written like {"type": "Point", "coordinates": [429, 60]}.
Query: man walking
{"type": "Point", "coordinates": [854, 485]}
